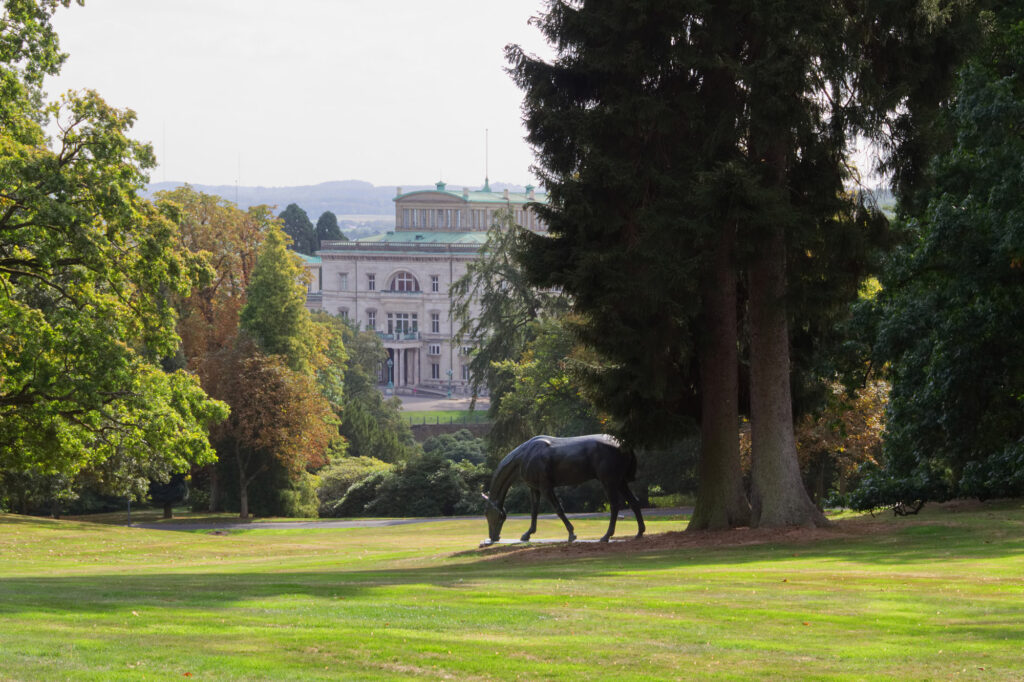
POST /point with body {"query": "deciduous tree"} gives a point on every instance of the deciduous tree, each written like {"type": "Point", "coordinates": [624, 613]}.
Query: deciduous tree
{"type": "Point", "coordinates": [952, 302]}
{"type": "Point", "coordinates": [275, 312]}
{"type": "Point", "coordinates": [277, 416]}
{"type": "Point", "coordinates": [86, 271]}
{"type": "Point", "coordinates": [496, 306]}
{"type": "Point", "coordinates": [227, 241]}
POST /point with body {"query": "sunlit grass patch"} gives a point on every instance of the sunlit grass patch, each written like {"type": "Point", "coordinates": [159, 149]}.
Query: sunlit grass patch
{"type": "Point", "coordinates": [937, 596]}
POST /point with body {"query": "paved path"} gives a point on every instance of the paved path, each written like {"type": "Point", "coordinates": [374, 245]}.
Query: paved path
{"type": "Point", "coordinates": [380, 523]}
{"type": "Point", "coordinates": [422, 403]}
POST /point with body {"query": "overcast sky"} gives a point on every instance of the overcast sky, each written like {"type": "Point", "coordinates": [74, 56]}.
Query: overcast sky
{"type": "Point", "coordinates": [265, 92]}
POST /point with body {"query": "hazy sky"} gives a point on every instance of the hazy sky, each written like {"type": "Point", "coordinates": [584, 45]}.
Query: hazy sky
{"type": "Point", "coordinates": [275, 93]}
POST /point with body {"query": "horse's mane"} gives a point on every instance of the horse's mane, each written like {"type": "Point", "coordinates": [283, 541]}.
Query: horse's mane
{"type": "Point", "coordinates": [519, 451]}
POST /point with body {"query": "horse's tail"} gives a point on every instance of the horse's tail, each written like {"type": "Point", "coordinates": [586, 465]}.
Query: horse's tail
{"type": "Point", "coordinates": [630, 463]}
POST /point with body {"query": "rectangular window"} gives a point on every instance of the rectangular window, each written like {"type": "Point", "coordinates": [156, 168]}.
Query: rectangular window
{"type": "Point", "coordinates": [466, 350]}
{"type": "Point", "coordinates": [435, 370]}
{"type": "Point", "coordinates": [343, 312]}
{"type": "Point", "coordinates": [371, 281]}
{"type": "Point", "coordinates": [435, 283]}
{"type": "Point", "coordinates": [415, 323]}
{"type": "Point", "coordinates": [465, 372]}
{"type": "Point", "coordinates": [343, 281]}
{"type": "Point", "coordinates": [435, 323]}
{"type": "Point", "coordinates": [401, 323]}
{"type": "Point", "coordinates": [434, 349]}
{"type": "Point", "coordinates": [371, 319]}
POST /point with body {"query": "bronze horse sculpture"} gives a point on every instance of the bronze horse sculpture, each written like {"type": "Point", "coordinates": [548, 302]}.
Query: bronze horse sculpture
{"type": "Point", "coordinates": [544, 462]}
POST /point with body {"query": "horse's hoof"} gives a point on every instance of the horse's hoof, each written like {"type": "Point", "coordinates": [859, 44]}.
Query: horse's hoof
{"type": "Point", "coordinates": [640, 536]}
{"type": "Point", "coordinates": [525, 538]}
{"type": "Point", "coordinates": [604, 539]}
{"type": "Point", "coordinates": [572, 537]}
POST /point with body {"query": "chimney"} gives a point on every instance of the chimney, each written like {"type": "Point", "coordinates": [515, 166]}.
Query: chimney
{"type": "Point", "coordinates": [465, 192]}
{"type": "Point", "coordinates": [399, 193]}
{"type": "Point", "coordinates": [506, 194]}
{"type": "Point", "coordinates": [529, 192]}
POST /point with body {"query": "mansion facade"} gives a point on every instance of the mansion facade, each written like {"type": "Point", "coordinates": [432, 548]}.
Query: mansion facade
{"type": "Point", "coordinates": [398, 284]}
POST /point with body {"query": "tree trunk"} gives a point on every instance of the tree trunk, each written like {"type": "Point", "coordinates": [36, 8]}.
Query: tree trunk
{"type": "Point", "coordinates": [243, 486]}
{"type": "Point", "coordinates": [168, 511]}
{"type": "Point", "coordinates": [778, 496]}
{"type": "Point", "coordinates": [721, 501]}
{"type": "Point", "coordinates": [214, 489]}
{"type": "Point", "coordinates": [243, 499]}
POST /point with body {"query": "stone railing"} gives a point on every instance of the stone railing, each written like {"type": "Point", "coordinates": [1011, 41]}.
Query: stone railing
{"type": "Point", "coordinates": [403, 336]}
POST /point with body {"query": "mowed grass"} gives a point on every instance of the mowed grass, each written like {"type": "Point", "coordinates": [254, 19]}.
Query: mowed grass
{"type": "Point", "coordinates": [937, 596]}
{"type": "Point", "coordinates": [446, 417]}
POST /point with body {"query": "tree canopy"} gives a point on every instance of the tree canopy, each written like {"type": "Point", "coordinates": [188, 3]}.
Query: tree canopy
{"type": "Point", "coordinates": [327, 228]}
{"type": "Point", "coordinates": [694, 156]}
{"type": "Point", "coordinates": [951, 308]}
{"type": "Point", "coordinates": [298, 226]}
{"type": "Point", "coordinates": [86, 271]}
{"type": "Point", "coordinates": [275, 312]}
{"type": "Point", "coordinates": [495, 306]}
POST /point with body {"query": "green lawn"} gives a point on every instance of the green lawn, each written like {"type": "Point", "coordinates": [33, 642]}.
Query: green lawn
{"type": "Point", "coordinates": [446, 417]}
{"type": "Point", "coordinates": [932, 597]}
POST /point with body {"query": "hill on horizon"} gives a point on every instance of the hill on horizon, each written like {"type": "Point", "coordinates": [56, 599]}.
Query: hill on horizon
{"type": "Point", "coordinates": [343, 197]}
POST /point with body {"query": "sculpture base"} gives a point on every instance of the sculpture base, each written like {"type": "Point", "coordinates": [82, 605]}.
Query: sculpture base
{"type": "Point", "coordinates": [548, 541]}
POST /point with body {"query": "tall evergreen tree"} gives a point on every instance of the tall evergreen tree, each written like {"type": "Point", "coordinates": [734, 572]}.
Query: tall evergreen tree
{"type": "Point", "coordinates": [327, 228]}
{"type": "Point", "coordinates": [298, 226]}
{"type": "Point", "coordinates": [692, 149]}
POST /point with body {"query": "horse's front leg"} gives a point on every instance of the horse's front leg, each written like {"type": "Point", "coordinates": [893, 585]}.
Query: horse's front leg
{"type": "Point", "coordinates": [550, 492]}
{"type": "Point", "coordinates": [615, 503]}
{"type": "Point", "coordinates": [534, 505]}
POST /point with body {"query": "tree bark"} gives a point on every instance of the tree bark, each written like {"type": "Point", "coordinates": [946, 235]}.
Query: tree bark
{"type": "Point", "coordinates": [168, 510]}
{"type": "Point", "coordinates": [721, 501]}
{"type": "Point", "coordinates": [243, 499]}
{"type": "Point", "coordinates": [243, 486]}
{"type": "Point", "coordinates": [778, 496]}
{"type": "Point", "coordinates": [214, 489]}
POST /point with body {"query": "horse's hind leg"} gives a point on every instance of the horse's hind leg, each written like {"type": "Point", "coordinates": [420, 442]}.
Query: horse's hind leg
{"type": "Point", "coordinates": [634, 504]}
{"type": "Point", "coordinates": [534, 504]}
{"type": "Point", "coordinates": [615, 502]}
{"type": "Point", "coordinates": [553, 499]}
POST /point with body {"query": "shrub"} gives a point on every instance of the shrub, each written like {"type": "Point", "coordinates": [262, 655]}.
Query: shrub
{"type": "Point", "coordinates": [340, 475]}
{"type": "Point", "coordinates": [458, 446]}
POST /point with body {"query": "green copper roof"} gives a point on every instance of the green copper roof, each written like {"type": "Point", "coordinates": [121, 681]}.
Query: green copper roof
{"type": "Point", "coordinates": [310, 260]}
{"type": "Point", "coordinates": [480, 196]}
{"type": "Point", "coordinates": [468, 238]}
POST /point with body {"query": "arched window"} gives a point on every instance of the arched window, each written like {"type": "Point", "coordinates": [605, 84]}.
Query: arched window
{"type": "Point", "coordinates": [404, 281]}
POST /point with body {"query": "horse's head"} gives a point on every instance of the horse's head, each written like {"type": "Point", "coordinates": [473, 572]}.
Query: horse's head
{"type": "Point", "coordinates": [495, 518]}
